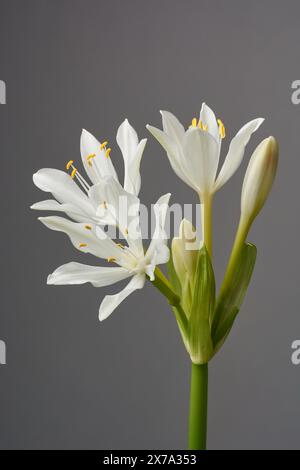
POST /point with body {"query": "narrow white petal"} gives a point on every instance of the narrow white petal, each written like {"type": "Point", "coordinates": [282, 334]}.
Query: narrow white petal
{"type": "Point", "coordinates": [77, 273]}
{"type": "Point", "coordinates": [127, 140]}
{"type": "Point", "coordinates": [132, 176]}
{"type": "Point", "coordinates": [236, 152]}
{"type": "Point", "coordinates": [208, 118]}
{"type": "Point", "coordinates": [63, 188]}
{"type": "Point", "coordinates": [111, 302]}
{"type": "Point", "coordinates": [52, 205]}
{"type": "Point", "coordinates": [172, 127]}
{"type": "Point", "coordinates": [158, 252]}
{"type": "Point", "coordinates": [83, 238]}
{"type": "Point", "coordinates": [101, 165]}
{"type": "Point", "coordinates": [175, 154]}
{"type": "Point", "coordinates": [202, 156]}
{"type": "Point", "coordinates": [48, 205]}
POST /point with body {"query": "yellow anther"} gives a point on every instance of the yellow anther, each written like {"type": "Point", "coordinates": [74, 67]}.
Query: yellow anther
{"type": "Point", "coordinates": [107, 153]}
{"type": "Point", "coordinates": [82, 245]}
{"type": "Point", "coordinates": [104, 204]}
{"type": "Point", "coordinates": [222, 131]}
{"type": "Point", "coordinates": [73, 173]}
{"type": "Point", "coordinates": [88, 227]}
{"type": "Point", "coordinates": [90, 163]}
{"type": "Point", "coordinates": [89, 157]}
{"type": "Point", "coordinates": [69, 164]}
{"type": "Point", "coordinates": [103, 145]}
{"type": "Point", "coordinates": [126, 231]}
{"type": "Point", "coordinates": [111, 260]}
{"type": "Point", "coordinates": [120, 245]}
{"type": "Point", "coordinates": [194, 122]}
{"type": "Point", "coordinates": [202, 126]}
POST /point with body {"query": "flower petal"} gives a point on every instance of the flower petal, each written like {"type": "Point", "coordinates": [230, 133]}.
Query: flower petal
{"type": "Point", "coordinates": [208, 118]}
{"type": "Point", "coordinates": [127, 140]}
{"type": "Point", "coordinates": [174, 153]}
{"type": "Point", "coordinates": [100, 164]}
{"type": "Point", "coordinates": [172, 127]}
{"type": "Point", "coordinates": [52, 205]}
{"type": "Point", "coordinates": [158, 252]}
{"type": "Point", "coordinates": [236, 152]}
{"type": "Point", "coordinates": [132, 177]}
{"type": "Point", "coordinates": [63, 188]}
{"type": "Point", "coordinates": [111, 302]}
{"type": "Point", "coordinates": [132, 151]}
{"type": "Point", "coordinates": [84, 238]}
{"type": "Point", "coordinates": [77, 273]}
{"type": "Point", "coordinates": [202, 157]}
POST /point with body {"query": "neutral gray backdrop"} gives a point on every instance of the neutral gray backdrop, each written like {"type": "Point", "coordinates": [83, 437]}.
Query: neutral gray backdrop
{"type": "Point", "coordinates": [71, 382]}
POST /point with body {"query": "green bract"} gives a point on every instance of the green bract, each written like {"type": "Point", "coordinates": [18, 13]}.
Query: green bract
{"type": "Point", "coordinates": [210, 319]}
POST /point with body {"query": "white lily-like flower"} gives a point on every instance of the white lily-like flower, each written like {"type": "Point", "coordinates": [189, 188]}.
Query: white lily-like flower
{"type": "Point", "coordinates": [131, 259]}
{"type": "Point", "coordinates": [82, 201]}
{"type": "Point", "coordinates": [194, 153]}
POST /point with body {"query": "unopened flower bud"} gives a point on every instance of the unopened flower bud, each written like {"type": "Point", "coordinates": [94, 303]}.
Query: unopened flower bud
{"type": "Point", "coordinates": [259, 178]}
{"type": "Point", "coordinates": [185, 249]}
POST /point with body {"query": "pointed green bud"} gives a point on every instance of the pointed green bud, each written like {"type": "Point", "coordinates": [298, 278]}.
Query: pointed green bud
{"type": "Point", "coordinates": [259, 178]}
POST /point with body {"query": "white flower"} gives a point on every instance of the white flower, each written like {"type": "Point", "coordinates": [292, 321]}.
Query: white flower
{"type": "Point", "coordinates": [194, 153]}
{"type": "Point", "coordinates": [82, 202]}
{"type": "Point", "coordinates": [131, 259]}
{"type": "Point", "coordinates": [102, 202]}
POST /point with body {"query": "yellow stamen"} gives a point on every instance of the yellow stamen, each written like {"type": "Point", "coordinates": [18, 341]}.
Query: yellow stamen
{"type": "Point", "coordinates": [82, 245]}
{"type": "Point", "coordinates": [90, 163]}
{"type": "Point", "coordinates": [104, 204]}
{"type": "Point", "coordinates": [222, 131]}
{"type": "Point", "coordinates": [103, 145]}
{"type": "Point", "coordinates": [111, 260]}
{"type": "Point", "coordinates": [194, 122]}
{"type": "Point", "coordinates": [202, 126]}
{"type": "Point", "coordinates": [126, 231]}
{"type": "Point", "coordinates": [89, 157]}
{"type": "Point", "coordinates": [88, 227]}
{"type": "Point", "coordinates": [120, 245]}
{"type": "Point", "coordinates": [73, 173]}
{"type": "Point", "coordinates": [69, 164]}
{"type": "Point", "coordinates": [107, 153]}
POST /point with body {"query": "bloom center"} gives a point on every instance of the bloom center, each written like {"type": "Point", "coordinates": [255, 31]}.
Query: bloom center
{"type": "Point", "coordinates": [204, 127]}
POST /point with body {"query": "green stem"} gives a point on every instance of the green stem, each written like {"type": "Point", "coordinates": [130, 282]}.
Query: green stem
{"type": "Point", "coordinates": [198, 407]}
{"type": "Point", "coordinates": [238, 244]}
{"type": "Point", "coordinates": [240, 238]}
{"type": "Point", "coordinates": [207, 222]}
{"type": "Point", "coordinates": [164, 286]}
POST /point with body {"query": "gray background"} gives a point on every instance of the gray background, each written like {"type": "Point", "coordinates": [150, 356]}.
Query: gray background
{"type": "Point", "coordinates": [72, 382]}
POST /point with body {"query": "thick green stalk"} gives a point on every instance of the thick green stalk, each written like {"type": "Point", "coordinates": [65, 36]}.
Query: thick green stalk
{"type": "Point", "coordinates": [199, 378]}
{"type": "Point", "coordinates": [207, 201]}
{"type": "Point", "coordinates": [198, 407]}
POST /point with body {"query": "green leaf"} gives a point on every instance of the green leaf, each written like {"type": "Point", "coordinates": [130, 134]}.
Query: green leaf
{"type": "Point", "coordinates": [174, 280]}
{"type": "Point", "coordinates": [230, 301]}
{"type": "Point", "coordinates": [200, 341]}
